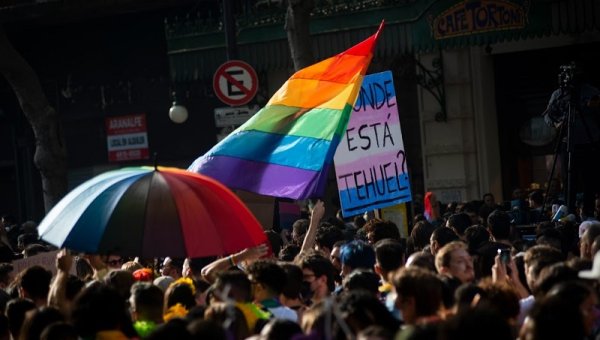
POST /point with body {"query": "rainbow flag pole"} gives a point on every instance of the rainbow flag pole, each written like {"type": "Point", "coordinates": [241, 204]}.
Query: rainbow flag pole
{"type": "Point", "coordinates": [286, 149]}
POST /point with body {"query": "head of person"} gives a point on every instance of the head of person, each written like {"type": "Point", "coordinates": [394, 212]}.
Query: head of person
{"type": "Point", "coordinates": [183, 292]}
{"type": "Point", "coordinates": [453, 260]}
{"type": "Point", "coordinates": [476, 236]}
{"type": "Point", "coordinates": [536, 199]}
{"type": "Point", "coordinates": [377, 229]}
{"type": "Point", "coordinates": [172, 267]}
{"type": "Point", "coordinates": [16, 309]}
{"type": "Point", "coordinates": [459, 223]}
{"type": "Point", "coordinates": [267, 279]}
{"type": "Point", "coordinates": [499, 225]}
{"type": "Point", "coordinates": [37, 320]}
{"type": "Point", "coordinates": [293, 283]}
{"type": "Point", "coordinates": [355, 255]}
{"type": "Point", "coordinates": [317, 274]}
{"type": "Point", "coordinates": [440, 237]}
{"type": "Point", "coordinates": [418, 293]}
{"type": "Point", "coordinates": [389, 256]}
{"type": "Point", "coordinates": [121, 280]}
{"type": "Point", "coordinates": [299, 229]}
{"type": "Point", "coordinates": [582, 296]}
{"type": "Point", "coordinates": [114, 261]}
{"type": "Point", "coordinates": [423, 260]}
{"type": "Point", "coordinates": [146, 302]}
{"type": "Point", "coordinates": [35, 284]}
{"type": "Point", "coordinates": [587, 240]}
{"type": "Point", "coordinates": [489, 200]}
{"type": "Point", "coordinates": [327, 235]}
{"type": "Point", "coordinates": [537, 258]}
{"type": "Point", "coordinates": [362, 279]}
{"type": "Point", "coordinates": [7, 275]}
{"type": "Point", "coordinates": [335, 255]}
{"type": "Point", "coordinates": [421, 234]}
{"type": "Point", "coordinates": [97, 300]}
{"type": "Point", "coordinates": [131, 266]}
{"type": "Point", "coordinates": [235, 284]}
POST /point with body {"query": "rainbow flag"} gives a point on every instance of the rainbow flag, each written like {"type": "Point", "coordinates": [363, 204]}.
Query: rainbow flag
{"type": "Point", "coordinates": [286, 148]}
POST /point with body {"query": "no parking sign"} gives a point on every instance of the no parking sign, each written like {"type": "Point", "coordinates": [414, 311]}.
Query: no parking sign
{"type": "Point", "coordinates": [235, 82]}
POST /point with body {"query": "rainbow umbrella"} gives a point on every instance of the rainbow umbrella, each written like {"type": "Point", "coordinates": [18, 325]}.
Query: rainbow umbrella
{"type": "Point", "coordinates": [152, 212]}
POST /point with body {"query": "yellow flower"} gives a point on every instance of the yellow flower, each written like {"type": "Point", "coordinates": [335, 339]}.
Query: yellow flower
{"type": "Point", "coordinates": [186, 281]}
{"type": "Point", "coordinates": [176, 311]}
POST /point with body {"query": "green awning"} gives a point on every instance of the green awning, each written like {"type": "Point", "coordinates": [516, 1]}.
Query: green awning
{"type": "Point", "coordinates": [195, 51]}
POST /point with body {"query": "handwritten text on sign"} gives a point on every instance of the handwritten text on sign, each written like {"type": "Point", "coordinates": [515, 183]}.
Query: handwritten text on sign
{"type": "Point", "coordinates": [370, 162]}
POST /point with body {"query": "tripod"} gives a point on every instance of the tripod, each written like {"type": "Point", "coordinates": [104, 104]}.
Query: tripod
{"type": "Point", "coordinates": [569, 109]}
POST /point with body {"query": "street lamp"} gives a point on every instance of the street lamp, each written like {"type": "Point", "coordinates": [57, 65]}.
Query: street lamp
{"type": "Point", "coordinates": [177, 113]}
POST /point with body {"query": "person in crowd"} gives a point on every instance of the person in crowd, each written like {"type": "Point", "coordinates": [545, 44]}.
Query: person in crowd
{"type": "Point", "coordinates": [172, 267]}
{"type": "Point", "coordinates": [423, 260]}
{"type": "Point", "coordinates": [432, 209]}
{"type": "Point", "coordinates": [440, 237]}
{"type": "Point", "coordinates": [586, 241]}
{"type": "Point", "coordinates": [277, 329]}
{"type": "Point", "coordinates": [37, 320]}
{"type": "Point", "coordinates": [335, 258]}
{"type": "Point", "coordinates": [268, 280]}
{"type": "Point", "coordinates": [7, 275]}
{"type": "Point", "coordinates": [454, 261]}
{"type": "Point", "coordinates": [419, 236]}
{"type": "Point", "coordinates": [146, 305]}
{"type": "Point", "coordinates": [16, 309]}
{"type": "Point", "coordinates": [131, 266]}
{"type": "Point", "coordinates": [418, 295]}
{"type": "Point", "coordinates": [459, 223]}
{"type": "Point", "coordinates": [389, 257]}
{"type": "Point", "coordinates": [361, 310]}
{"type": "Point", "coordinates": [180, 297]}
{"type": "Point", "coordinates": [536, 207]}
{"type": "Point", "coordinates": [291, 294]}
{"type": "Point", "coordinates": [489, 205]}
{"type": "Point", "coordinates": [355, 255]}
{"type": "Point", "coordinates": [377, 229]}
{"type": "Point", "coordinates": [35, 285]}
{"type": "Point", "coordinates": [317, 276]}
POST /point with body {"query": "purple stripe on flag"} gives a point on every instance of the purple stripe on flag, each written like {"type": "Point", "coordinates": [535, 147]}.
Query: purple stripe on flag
{"type": "Point", "coordinates": [262, 178]}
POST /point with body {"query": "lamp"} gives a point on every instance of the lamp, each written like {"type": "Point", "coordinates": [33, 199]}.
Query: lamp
{"type": "Point", "coordinates": [177, 113]}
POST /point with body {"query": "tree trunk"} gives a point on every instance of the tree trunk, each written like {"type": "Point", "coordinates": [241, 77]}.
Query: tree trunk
{"type": "Point", "coordinates": [298, 33]}
{"type": "Point", "coordinates": [50, 154]}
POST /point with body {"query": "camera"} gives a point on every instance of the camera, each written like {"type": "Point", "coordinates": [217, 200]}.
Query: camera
{"type": "Point", "coordinates": [566, 75]}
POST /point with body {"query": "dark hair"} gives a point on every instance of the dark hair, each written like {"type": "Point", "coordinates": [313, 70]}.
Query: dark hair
{"type": "Point", "coordinates": [277, 329]}
{"type": "Point", "coordinates": [537, 197]}
{"type": "Point", "coordinates": [421, 233]}
{"type": "Point", "coordinates": [319, 265]}
{"type": "Point", "coordinates": [206, 329]}
{"type": "Point", "coordinates": [499, 224]}
{"type": "Point", "coordinates": [424, 286]}
{"type": "Point", "coordinates": [37, 320]}
{"type": "Point", "coordinates": [148, 300]}
{"type": "Point", "coordinates": [293, 283]}
{"type": "Point", "coordinates": [289, 252]}
{"type": "Point", "coordinates": [59, 331]}
{"type": "Point", "coordinates": [98, 299]}
{"type": "Point", "coordinates": [364, 309]}
{"type": "Point", "coordinates": [15, 312]}
{"type": "Point", "coordinates": [179, 292]}
{"type": "Point", "coordinates": [362, 279]}
{"type": "Point", "coordinates": [476, 236]}
{"type": "Point", "coordinates": [380, 229]}
{"type": "Point", "coordinates": [389, 254]}
{"type": "Point", "coordinates": [239, 286]}
{"type": "Point", "coordinates": [5, 270]}
{"type": "Point", "coordinates": [327, 235]}
{"type": "Point", "coordinates": [269, 274]}
{"type": "Point", "coordinates": [459, 222]}
{"type": "Point", "coordinates": [444, 236]}
{"type": "Point", "coordinates": [275, 241]}
{"type": "Point", "coordinates": [557, 318]}
{"type": "Point", "coordinates": [35, 280]}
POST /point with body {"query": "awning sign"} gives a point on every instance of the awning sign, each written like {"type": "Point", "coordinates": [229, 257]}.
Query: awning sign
{"type": "Point", "coordinates": [126, 138]}
{"type": "Point", "coordinates": [471, 17]}
{"type": "Point", "coordinates": [370, 162]}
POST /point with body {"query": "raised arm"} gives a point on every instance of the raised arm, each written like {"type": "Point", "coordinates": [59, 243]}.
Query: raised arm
{"type": "Point", "coordinates": [210, 271]}
{"type": "Point", "coordinates": [316, 216]}
{"type": "Point", "coordinates": [57, 296]}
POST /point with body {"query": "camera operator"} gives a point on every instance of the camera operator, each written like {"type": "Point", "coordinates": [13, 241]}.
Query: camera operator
{"type": "Point", "coordinates": [582, 100]}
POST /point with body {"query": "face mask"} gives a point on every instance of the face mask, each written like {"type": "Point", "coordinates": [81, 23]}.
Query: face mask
{"type": "Point", "coordinates": [305, 292]}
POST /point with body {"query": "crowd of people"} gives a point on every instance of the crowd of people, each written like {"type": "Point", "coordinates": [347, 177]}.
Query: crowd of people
{"type": "Point", "coordinates": [466, 271]}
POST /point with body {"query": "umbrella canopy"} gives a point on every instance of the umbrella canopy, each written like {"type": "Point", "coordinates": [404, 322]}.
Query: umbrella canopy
{"type": "Point", "coordinates": [152, 212]}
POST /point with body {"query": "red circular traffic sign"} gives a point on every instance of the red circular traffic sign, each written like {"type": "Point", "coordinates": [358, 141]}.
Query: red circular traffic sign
{"type": "Point", "coordinates": [235, 82]}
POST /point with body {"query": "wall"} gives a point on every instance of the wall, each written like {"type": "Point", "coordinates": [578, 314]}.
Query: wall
{"type": "Point", "coordinates": [460, 155]}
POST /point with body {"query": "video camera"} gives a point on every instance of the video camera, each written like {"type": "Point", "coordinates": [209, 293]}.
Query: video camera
{"type": "Point", "coordinates": [567, 75]}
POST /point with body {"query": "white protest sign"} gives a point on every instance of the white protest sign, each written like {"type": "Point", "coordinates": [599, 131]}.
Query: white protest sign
{"type": "Point", "coordinates": [370, 162]}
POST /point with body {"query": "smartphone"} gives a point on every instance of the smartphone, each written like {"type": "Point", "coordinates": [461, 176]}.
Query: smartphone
{"type": "Point", "coordinates": [504, 255]}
